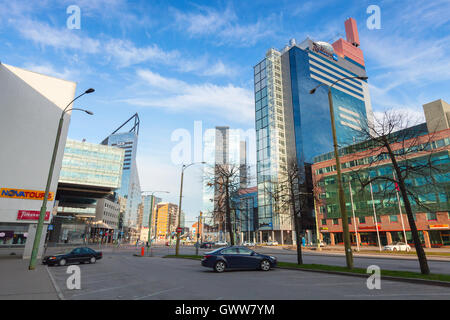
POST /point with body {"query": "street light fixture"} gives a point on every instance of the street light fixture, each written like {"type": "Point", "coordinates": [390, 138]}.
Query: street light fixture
{"type": "Point", "coordinates": [184, 167]}
{"type": "Point", "coordinates": [149, 239]}
{"type": "Point", "coordinates": [40, 224]}
{"type": "Point", "coordinates": [345, 230]}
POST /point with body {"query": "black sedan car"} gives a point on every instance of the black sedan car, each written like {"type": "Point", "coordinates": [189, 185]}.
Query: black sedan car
{"type": "Point", "coordinates": [77, 255]}
{"type": "Point", "coordinates": [237, 258]}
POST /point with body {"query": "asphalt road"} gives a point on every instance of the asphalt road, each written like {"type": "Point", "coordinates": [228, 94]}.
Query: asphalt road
{"type": "Point", "coordinates": [390, 263]}
{"type": "Point", "coordinates": [120, 275]}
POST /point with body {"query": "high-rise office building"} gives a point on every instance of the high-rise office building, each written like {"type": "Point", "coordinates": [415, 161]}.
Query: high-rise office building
{"type": "Point", "coordinates": [166, 220]}
{"type": "Point", "coordinates": [292, 125]}
{"type": "Point", "coordinates": [130, 188]}
{"type": "Point", "coordinates": [148, 210]}
{"type": "Point", "coordinates": [222, 145]}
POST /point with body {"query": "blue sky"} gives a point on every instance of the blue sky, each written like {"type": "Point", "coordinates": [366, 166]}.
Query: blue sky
{"type": "Point", "coordinates": [176, 62]}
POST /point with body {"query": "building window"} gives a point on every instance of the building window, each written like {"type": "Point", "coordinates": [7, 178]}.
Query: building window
{"type": "Point", "coordinates": [362, 219]}
{"type": "Point", "coordinates": [324, 222]}
{"type": "Point", "coordinates": [335, 221]}
{"type": "Point", "coordinates": [349, 220]}
{"type": "Point", "coordinates": [393, 219]}
{"type": "Point", "coordinates": [431, 216]}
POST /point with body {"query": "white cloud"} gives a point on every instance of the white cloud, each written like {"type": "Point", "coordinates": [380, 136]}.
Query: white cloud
{"type": "Point", "coordinates": [48, 69]}
{"type": "Point", "coordinates": [224, 27]}
{"type": "Point", "coordinates": [126, 53]}
{"type": "Point", "coordinates": [63, 38]}
{"type": "Point", "coordinates": [228, 102]}
{"type": "Point", "coordinates": [407, 62]}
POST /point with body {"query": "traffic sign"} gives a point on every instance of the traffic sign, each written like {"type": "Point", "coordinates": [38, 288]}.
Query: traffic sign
{"type": "Point", "coordinates": [179, 230]}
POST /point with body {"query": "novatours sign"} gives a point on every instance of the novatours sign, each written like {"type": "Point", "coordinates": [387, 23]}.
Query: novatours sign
{"type": "Point", "coordinates": [24, 194]}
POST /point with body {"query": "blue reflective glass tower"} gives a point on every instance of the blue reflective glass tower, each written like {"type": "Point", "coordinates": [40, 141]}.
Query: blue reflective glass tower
{"type": "Point", "coordinates": [293, 126]}
{"type": "Point", "coordinates": [130, 188]}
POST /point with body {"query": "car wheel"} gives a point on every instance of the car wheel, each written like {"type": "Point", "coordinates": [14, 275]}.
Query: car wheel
{"type": "Point", "coordinates": [92, 260]}
{"type": "Point", "coordinates": [62, 262]}
{"type": "Point", "coordinates": [265, 265]}
{"type": "Point", "coordinates": [219, 266]}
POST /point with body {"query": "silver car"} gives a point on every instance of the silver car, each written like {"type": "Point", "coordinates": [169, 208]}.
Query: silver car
{"type": "Point", "coordinates": [397, 246]}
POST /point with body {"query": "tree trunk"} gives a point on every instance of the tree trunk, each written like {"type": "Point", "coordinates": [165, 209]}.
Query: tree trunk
{"type": "Point", "coordinates": [415, 234]}
{"type": "Point", "coordinates": [297, 224]}
{"type": "Point", "coordinates": [298, 239]}
{"type": "Point", "coordinates": [227, 212]}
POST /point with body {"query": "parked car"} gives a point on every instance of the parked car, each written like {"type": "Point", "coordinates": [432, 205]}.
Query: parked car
{"type": "Point", "coordinates": [397, 246]}
{"type": "Point", "coordinates": [249, 244]}
{"type": "Point", "coordinates": [206, 245]}
{"type": "Point", "coordinates": [236, 257]}
{"type": "Point", "coordinates": [272, 243]}
{"type": "Point", "coordinates": [77, 255]}
{"type": "Point", "coordinates": [220, 243]}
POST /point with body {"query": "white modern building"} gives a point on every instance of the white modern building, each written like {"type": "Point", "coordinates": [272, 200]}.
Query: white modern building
{"type": "Point", "coordinates": [30, 108]}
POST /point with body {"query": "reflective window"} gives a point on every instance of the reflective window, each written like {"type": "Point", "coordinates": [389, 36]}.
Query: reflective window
{"type": "Point", "coordinates": [230, 251]}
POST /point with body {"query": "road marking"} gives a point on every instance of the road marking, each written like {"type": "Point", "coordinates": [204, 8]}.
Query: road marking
{"type": "Point", "coordinates": [107, 289]}
{"type": "Point", "coordinates": [156, 293]}
{"type": "Point", "coordinates": [58, 291]}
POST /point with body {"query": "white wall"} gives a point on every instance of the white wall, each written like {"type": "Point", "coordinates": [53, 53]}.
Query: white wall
{"type": "Point", "coordinates": [30, 108]}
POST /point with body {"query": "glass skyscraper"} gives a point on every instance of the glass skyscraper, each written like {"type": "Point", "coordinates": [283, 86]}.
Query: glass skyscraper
{"type": "Point", "coordinates": [147, 201]}
{"type": "Point", "coordinates": [130, 188]}
{"type": "Point", "coordinates": [294, 126]}
{"type": "Point", "coordinates": [89, 176]}
{"type": "Point", "coordinates": [91, 165]}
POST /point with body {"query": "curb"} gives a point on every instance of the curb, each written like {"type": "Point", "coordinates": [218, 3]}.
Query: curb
{"type": "Point", "coordinates": [58, 291]}
{"type": "Point", "coordinates": [368, 256]}
{"type": "Point", "coordinates": [410, 280]}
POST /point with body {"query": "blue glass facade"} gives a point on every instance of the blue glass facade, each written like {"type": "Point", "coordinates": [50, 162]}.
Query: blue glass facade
{"type": "Point", "coordinates": [311, 113]}
{"type": "Point", "coordinates": [147, 201]}
{"type": "Point", "coordinates": [91, 164]}
{"type": "Point", "coordinates": [246, 205]}
{"type": "Point", "coordinates": [294, 125]}
{"type": "Point", "coordinates": [130, 187]}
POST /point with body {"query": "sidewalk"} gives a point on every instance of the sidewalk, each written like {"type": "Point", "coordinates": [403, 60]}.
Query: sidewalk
{"type": "Point", "coordinates": [373, 252]}
{"type": "Point", "coordinates": [19, 283]}
{"type": "Point", "coordinates": [376, 249]}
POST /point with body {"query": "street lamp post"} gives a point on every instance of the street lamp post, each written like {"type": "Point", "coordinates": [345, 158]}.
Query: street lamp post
{"type": "Point", "coordinates": [149, 242]}
{"type": "Point", "coordinates": [184, 167]}
{"type": "Point", "coordinates": [345, 230]}
{"type": "Point", "coordinates": [40, 224]}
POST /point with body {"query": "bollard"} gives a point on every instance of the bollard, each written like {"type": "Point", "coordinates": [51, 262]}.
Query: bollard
{"type": "Point", "coordinates": [142, 251]}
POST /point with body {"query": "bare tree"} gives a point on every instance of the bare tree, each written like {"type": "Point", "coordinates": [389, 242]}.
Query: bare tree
{"type": "Point", "coordinates": [291, 196]}
{"type": "Point", "coordinates": [225, 180]}
{"type": "Point", "coordinates": [410, 150]}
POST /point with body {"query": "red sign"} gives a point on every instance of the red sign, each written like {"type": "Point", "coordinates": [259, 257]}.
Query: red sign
{"type": "Point", "coordinates": [369, 228]}
{"type": "Point", "coordinates": [179, 230]}
{"type": "Point", "coordinates": [438, 226]}
{"type": "Point", "coordinates": [31, 215]}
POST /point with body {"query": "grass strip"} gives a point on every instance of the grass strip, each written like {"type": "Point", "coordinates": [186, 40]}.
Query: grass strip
{"type": "Point", "coordinates": [323, 267]}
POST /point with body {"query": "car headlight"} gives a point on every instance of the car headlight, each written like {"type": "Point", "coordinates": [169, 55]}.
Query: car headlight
{"type": "Point", "coordinates": [273, 258]}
